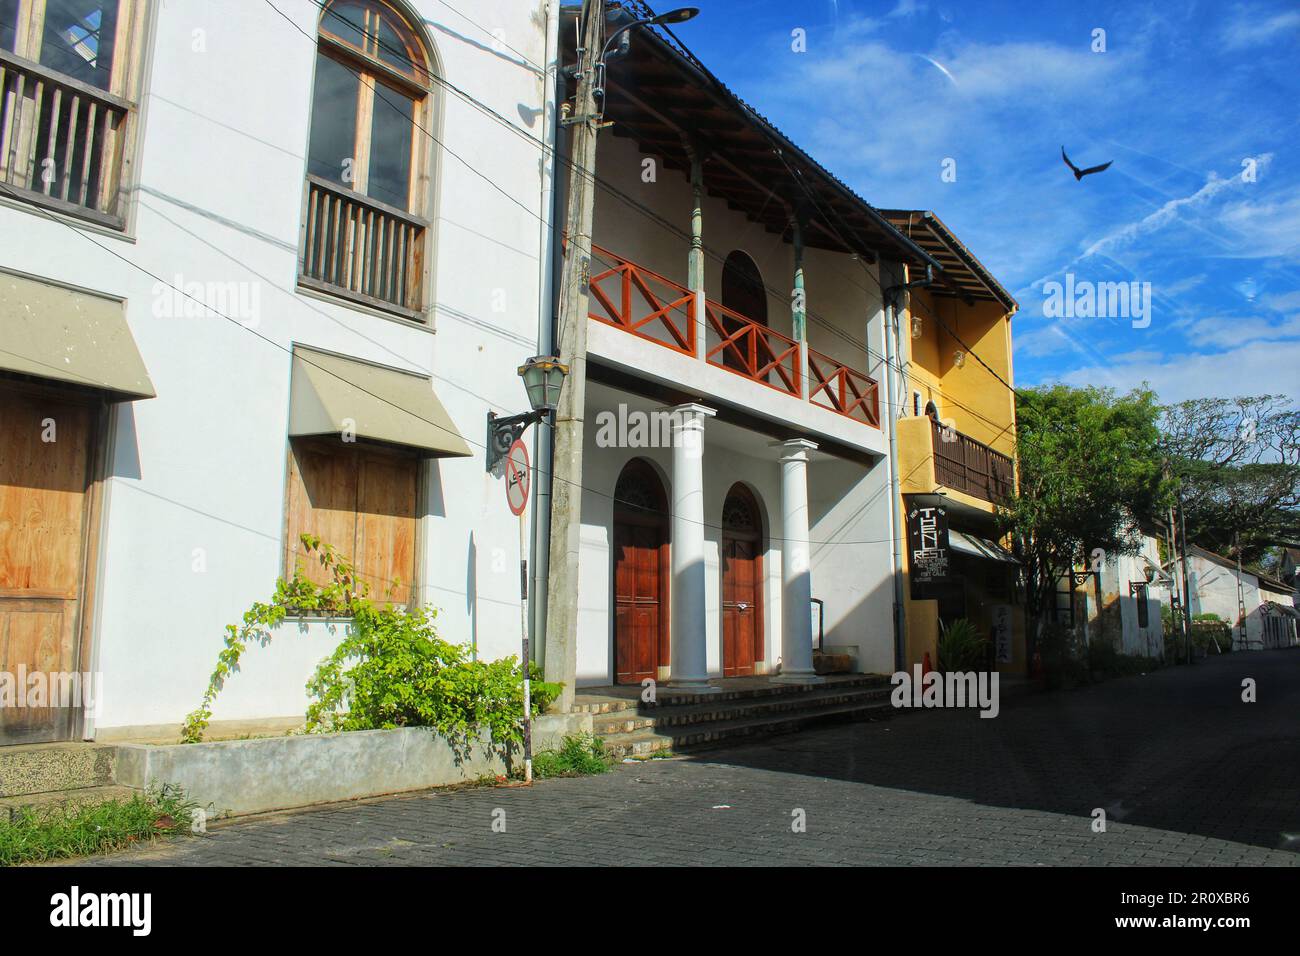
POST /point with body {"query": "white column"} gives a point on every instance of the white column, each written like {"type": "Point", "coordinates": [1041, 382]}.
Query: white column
{"type": "Point", "coordinates": [688, 662]}
{"type": "Point", "coordinates": [796, 577]}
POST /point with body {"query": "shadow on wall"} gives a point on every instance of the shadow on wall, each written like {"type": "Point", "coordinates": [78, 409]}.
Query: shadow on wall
{"type": "Point", "coordinates": [471, 593]}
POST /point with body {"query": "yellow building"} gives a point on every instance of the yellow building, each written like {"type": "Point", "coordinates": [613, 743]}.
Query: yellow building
{"type": "Point", "coordinates": [956, 446]}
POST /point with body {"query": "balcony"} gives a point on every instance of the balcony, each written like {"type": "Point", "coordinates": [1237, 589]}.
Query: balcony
{"type": "Point", "coordinates": [61, 141]}
{"type": "Point", "coordinates": [362, 249]}
{"type": "Point", "coordinates": [933, 456]}
{"type": "Point", "coordinates": [652, 307]}
{"type": "Point", "coordinates": [966, 465]}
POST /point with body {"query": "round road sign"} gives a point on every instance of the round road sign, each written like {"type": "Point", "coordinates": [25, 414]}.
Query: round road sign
{"type": "Point", "coordinates": [517, 477]}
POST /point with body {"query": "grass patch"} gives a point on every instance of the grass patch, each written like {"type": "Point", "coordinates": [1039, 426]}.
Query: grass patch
{"type": "Point", "coordinates": [36, 836]}
{"type": "Point", "coordinates": [579, 756]}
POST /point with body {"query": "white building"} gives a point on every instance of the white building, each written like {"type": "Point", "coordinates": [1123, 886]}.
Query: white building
{"type": "Point", "coordinates": [362, 200]}
{"type": "Point", "coordinates": [1134, 588]}
{"type": "Point", "coordinates": [1262, 603]}
{"type": "Point", "coordinates": [736, 426]}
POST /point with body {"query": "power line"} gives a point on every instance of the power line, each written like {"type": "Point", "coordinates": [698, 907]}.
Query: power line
{"type": "Point", "coordinates": [648, 213]}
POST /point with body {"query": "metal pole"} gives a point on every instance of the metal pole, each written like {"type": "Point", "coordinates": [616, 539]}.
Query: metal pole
{"type": "Point", "coordinates": [527, 650]}
{"type": "Point", "coordinates": [894, 360]}
{"type": "Point", "coordinates": [1187, 594]}
{"type": "Point", "coordinates": [561, 659]}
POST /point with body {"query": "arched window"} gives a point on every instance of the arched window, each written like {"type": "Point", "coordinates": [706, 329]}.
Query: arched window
{"type": "Point", "coordinates": [742, 287]}
{"type": "Point", "coordinates": [368, 157]}
{"type": "Point", "coordinates": [743, 294]}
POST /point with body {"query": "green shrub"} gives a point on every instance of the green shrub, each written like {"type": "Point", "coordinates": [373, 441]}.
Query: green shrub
{"type": "Point", "coordinates": [35, 836]}
{"type": "Point", "coordinates": [579, 755]}
{"type": "Point", "coordinates": [961, 648]}
{"type": "Point", "coordinates": [391, 669]}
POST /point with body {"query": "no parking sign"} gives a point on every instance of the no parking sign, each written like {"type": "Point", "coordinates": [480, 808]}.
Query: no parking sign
{"type": "Point", "coordinates": [517, 477]}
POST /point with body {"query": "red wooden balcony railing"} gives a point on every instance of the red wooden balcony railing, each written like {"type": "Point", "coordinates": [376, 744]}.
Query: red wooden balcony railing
{"type": "Point", "coordinates": [835, 386]}
{"type": "Point", "coordinates": [641, 302]}
{"type": "Point", "coordinates": [751, 349]}
{"type": "Point", "coordinates": [650, 306]}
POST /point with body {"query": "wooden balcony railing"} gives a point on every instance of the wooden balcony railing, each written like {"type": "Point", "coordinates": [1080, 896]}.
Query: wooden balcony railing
{"type": "Point", "coordinates": [362, 248]}
{"type": "Point", "coordinates": [61, 140]}
{"type": "Point", "coordinates": [964, 464]}
{"type": "Point", "coordinates": [835, 386]}
{"type": "Point", "coordinates": [751, 349]}
{"type": "Point", "coordinates": [637, 300]}
{"type": "Point", "coordinates": [642, 302]}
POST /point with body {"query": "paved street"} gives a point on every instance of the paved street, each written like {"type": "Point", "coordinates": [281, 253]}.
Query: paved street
{"type": "Point", "coordinates": [1188, 774]}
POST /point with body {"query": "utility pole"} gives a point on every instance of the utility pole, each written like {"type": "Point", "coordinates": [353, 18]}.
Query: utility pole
{"type": "Point", "coordinates": [1241, 596]}
{"type": "Point", "coordinates": [1187, 594]}
{"type": "Point", "coordinates": [561, 657]}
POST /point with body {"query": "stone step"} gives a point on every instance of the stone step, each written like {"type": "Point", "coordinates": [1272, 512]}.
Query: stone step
{"type": "Point", "coordinates": [46, 768]}
{"type": "Point", "coordinates": [714, 710]}
{"type": "Point", "coordinates": [597, 703]}
{"type": "Point", "coordinates": [714, 733]}
{"type": "Point", "coordinates": [64, 799]}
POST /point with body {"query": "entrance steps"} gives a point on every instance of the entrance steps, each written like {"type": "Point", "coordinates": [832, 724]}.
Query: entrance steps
{"type": "Point", "coordinates": [742, 709]}
{"type": "Point", "coordinates": [50, 775]}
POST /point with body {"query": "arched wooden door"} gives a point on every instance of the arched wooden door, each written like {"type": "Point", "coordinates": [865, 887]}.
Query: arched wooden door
{"type": "Point", "coordinates": [640, 574]}
{"type": "Point", "coordinates": [742, 583]}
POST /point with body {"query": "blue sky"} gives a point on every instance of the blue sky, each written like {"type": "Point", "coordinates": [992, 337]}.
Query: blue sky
{"type": "Point", "coordinates": [1182, 96]}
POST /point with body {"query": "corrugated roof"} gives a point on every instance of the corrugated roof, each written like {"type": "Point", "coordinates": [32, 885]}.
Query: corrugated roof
{"type": "Point", "coordinates": [966, 276]}
{"type": "Point", "coordinates": [663, 97]}
{"type": "Point", "coordinates": [660, 94]}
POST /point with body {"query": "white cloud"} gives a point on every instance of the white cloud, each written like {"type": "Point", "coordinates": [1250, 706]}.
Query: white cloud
{"type": "Point", "coordinates": [1269, 228]}
{"type": "Point", "coordinates": [1170, 212]}
{"type": "Point", "coordinates": [1250, 28]}
{"type": "Point", "coordinates": [1264, 366]}
{"type": "Point", "coordinates": [1232, 331]}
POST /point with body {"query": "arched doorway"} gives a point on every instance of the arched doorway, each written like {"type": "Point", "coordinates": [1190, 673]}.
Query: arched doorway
{"type": "Point", "coordinates": [742, 292]}
{"type": "Point", "coordinates": [742, 583]}
{"type": "Point", "coordinates": [640, 574]}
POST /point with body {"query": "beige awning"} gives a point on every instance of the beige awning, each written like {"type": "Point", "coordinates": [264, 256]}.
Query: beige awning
{"type": "Point", "coordinates": [331, 394]}
{"type": "Point", "coordinates": [53, 332]}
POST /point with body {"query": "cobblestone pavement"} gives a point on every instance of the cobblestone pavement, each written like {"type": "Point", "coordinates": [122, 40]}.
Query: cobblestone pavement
{"type": "Point", "coordinates": [1187, 773]}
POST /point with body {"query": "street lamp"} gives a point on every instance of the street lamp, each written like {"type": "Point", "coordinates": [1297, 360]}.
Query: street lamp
{"type": "Point", "coordinates": [680, 15]}
{"type": "Point", "coordinates": [543, 376]}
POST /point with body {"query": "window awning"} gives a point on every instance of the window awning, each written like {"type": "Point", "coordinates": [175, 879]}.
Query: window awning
{"type": "Point", "coordinates": [331, 394]}
{"type": "Point", "coordinates": [979, 547]}
{"type": "Point", "coordinates": [53, 332]}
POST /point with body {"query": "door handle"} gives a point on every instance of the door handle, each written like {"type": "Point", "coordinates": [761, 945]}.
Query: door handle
{"type": "Point", "coordinates": [742, 607]}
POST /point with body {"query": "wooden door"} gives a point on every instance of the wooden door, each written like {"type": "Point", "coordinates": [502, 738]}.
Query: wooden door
{"type": "Point", "coordinates": [742, 584]}
{"type": "Point", "coordinates": [46, 450]}
{"type": "Point", "coordinates": [640, 574]}
{"type": "Point", "coordinates": [362, 501]}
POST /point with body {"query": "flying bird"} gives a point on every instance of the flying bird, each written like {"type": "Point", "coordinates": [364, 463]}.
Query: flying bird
{"type": "Point", "coordinates": [1080, 173]}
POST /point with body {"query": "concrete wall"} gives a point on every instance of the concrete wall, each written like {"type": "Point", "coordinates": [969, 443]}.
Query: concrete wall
{"type": "Point", "coordinates": [201, 468]}
{"type": "Point", "coordinates": [275, 773]}
{"type": "Point", "coordinates": [1213, 590]}
{"type": "Point", "coordinates": [973, 398]}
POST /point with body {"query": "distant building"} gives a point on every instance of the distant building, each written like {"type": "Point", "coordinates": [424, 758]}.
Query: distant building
{"type": "Point", "coordinates": [1261, 609]}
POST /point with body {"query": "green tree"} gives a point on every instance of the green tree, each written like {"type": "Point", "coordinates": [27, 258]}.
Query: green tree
{"type": "Point", "coordinates": [1090, 472]}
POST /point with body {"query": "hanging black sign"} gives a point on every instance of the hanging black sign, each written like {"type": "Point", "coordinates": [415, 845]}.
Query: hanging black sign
{"type": "Point", "coordinates": [927, 544]}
